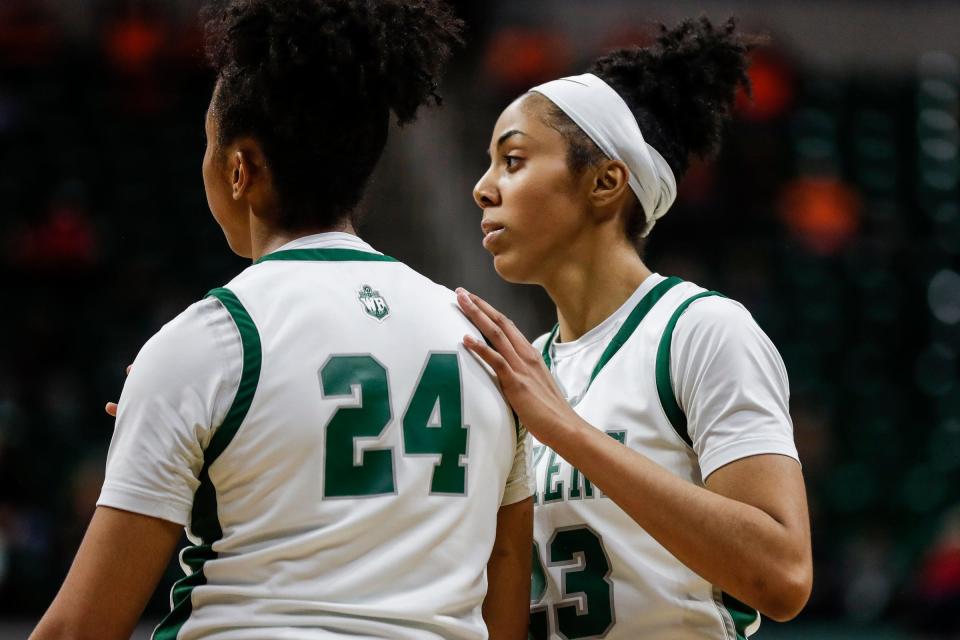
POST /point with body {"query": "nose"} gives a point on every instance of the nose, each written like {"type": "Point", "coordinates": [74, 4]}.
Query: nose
{"type": "Point", "coordinates": [485, 194]}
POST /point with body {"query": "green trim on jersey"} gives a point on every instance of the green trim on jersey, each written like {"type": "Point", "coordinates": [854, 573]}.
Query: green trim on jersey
{"type": "Point", "coordinates": [630, 325]}
{"type": "Point", "coordinates": [743, 615]}
{"type": "Point", "coordinates": [203, 518]}
{"type": "Point", "coordinates": [668, 398]}
{"type": "Point", "coordinates": [546, 345]}
{"type": "Point", "coordinates": [330, 255]}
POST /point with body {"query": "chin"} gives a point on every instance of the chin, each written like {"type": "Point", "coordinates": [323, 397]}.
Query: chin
{"type": "Point", "coordinates": [512, 271]}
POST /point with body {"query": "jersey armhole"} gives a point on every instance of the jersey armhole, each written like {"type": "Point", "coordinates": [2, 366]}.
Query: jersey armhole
{"type": "Point", "coordinates": [204, 519]}
{"type": "Point", "coordinates": [665, 391]}
{"type": "Point", "coordinates": [745, 619]}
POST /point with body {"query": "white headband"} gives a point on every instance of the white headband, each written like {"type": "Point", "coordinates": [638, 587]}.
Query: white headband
{"type": "Point", "coordinates": [603, 115]}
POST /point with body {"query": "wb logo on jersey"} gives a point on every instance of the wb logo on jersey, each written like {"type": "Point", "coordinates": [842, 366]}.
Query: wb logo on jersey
{"type": "Point", "coordinates": [373, 303]}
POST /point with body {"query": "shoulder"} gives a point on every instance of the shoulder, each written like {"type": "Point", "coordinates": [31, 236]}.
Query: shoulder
{"type": "Point", "coordinates": [715, 318]}
{"type": "Point", "coordinates": [719, 333]}
{"type": "Point", "coordinates": [201, 339]}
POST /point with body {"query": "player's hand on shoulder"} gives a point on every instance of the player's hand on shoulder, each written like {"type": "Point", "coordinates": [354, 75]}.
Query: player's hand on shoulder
{"type": "Point", "coordinates": [525, 380]}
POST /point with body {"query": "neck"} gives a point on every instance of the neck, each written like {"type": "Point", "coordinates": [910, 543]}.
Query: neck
{"type": "Point", "coordinates": [264, 240]}
{"type": "Point", "coordinates": [588, 289]}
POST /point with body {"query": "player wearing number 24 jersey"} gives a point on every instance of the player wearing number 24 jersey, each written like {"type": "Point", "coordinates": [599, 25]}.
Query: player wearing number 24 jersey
{"type": "Point", "coordinates": [343, 467]}
{"type": "Point", "coordinates": [670, 503]}
{"type": "Point", "coordinates": [338, 461]}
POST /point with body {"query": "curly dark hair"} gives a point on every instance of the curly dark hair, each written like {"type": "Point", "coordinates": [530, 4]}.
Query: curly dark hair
{"type": "Point", "coordinates": [314, 82]}
{"type": "Point", "coordinates": [681, 90]}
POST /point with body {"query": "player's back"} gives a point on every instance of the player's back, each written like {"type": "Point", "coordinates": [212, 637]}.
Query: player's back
{"type": "Point", "coordinates": [356, 479]}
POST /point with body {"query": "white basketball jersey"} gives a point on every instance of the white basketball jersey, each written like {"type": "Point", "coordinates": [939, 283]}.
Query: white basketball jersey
{"type": "Point", "coordinates": [597, 574]}
{"type": "Point", "coordinates": [353, 487]}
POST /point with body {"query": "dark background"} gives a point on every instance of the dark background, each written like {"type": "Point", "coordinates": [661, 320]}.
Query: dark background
{"type": "Point", "coordinates": [832, 214]}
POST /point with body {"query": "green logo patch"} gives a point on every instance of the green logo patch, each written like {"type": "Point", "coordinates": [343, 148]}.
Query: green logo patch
{"type": "Point", "coordinates": [373, 303]}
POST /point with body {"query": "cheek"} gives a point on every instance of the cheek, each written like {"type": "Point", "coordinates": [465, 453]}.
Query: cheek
{"type": "Point", "coordinates": [214, 187]}
{"type": "Point", "coordinates": [542, 214]}
{"type": "Point", "coordinates": [543, 204]}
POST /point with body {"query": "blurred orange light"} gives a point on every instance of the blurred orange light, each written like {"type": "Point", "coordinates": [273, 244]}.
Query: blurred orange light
{"type": "Point", "coordinates": [772, 91]}
{"type": "Point", "coordinates": [134, 43]}
{"type": "Point", "coordinates": [823, 213]}
{"type": "Point", "coordinates": [518, 58]}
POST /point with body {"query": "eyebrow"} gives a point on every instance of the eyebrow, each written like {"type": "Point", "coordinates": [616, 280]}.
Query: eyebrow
{"type": "Point", "coordinates": [506, 136]}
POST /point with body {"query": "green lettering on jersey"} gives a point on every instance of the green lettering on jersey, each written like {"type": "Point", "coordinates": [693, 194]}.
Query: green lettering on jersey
{"type": "Point", "coordinates": [433, 423]}
{"type": "Point", "coordinates": [551, 493]}
{"type": "Point", "coordinates": [578, 481]}
{"type": "Point", "coordinates": [343, 475]}
{"type": "Point", "coordinates": [538, 451]}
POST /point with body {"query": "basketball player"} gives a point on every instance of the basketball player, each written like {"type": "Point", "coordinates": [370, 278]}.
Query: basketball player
{"type": "Point", "coordinates": [670, 501]}
{"type": "Point", "coordinates": [343, 467]}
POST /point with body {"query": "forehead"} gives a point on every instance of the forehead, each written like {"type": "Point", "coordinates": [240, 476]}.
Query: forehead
{"type": "Point", "coordinates": [527, 114]}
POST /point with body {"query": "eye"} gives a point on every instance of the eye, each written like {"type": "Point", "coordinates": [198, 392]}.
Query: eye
{"type": "Point", "coordinates": [512, 161]}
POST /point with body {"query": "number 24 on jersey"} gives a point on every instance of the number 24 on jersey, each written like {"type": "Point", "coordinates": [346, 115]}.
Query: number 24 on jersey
{"type": "Point", "coordinates": [432, 425]}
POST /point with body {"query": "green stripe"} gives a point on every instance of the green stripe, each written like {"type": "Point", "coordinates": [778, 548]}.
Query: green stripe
{"type": "Point", "coordinates": [335, 255]}
{"type": "Point", "coordinates": [668, 399]}
{"type": "Point", "coordinates": [633, 321]}
{"type": "Point", "coordinates": [252, 355]}
{"type": "Point", "coordinates": [630, 325]}
{"type": "Point", "coordinates": [743, 615]}
{"type": "Point", "coordinates": [203, 518]}
{"type": "Point", "coordinates": [548, 344]}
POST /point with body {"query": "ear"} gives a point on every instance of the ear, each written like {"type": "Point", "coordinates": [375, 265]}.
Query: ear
{"type": "Point", "coordinates": [248, 167]}
{"type": "Point", "coordinates": [611, 183]}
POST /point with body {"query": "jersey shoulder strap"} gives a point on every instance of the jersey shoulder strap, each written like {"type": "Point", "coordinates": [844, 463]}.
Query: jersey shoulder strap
{"type": "Point", "coordinates": [668, 399]}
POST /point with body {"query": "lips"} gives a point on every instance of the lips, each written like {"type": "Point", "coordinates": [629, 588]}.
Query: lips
{"type": "Point", "coordinates": [491, 231]}
{"type": "Point", "coordinates": [489, 226]}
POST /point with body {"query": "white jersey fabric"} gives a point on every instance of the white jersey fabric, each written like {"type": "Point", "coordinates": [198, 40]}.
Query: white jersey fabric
{"type": "Point", "coordinates": [336, 455]}
{"type": "Point", "coordinates": [596, 572]}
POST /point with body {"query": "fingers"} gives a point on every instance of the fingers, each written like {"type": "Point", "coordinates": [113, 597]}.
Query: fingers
{"type": "Point", "coordinates": [129, 366]}
{"type": "Point", "coordinates": [488, 354]}
{"type": "Point", "coordinates": [494, 332]}
{"type": "Point", "coordinates": [506, 324]}
{"type": "Point", "coordinates": [521, 346]}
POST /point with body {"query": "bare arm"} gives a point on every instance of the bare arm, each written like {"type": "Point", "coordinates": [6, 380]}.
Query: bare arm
{"type": "Point", "coordinates": [506, 609]}
{"type": "Point", "coordinates": [119, 563]}
{"type": "Point", "coordinates": [747, 532]}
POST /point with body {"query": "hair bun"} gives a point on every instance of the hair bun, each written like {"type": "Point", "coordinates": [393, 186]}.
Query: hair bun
{"type": "Point", "coordinates": [681, 89]}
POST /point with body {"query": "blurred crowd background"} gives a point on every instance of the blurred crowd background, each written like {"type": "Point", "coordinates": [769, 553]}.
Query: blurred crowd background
{"type": "Point", "coordinates": [831, 213]}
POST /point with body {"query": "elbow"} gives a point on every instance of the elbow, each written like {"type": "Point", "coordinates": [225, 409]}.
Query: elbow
{"type": "Point", "coordinates": [789, 595]}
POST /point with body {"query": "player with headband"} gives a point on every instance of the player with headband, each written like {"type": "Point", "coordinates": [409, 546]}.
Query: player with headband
{"type": "Point", "coordinates": [670, 501]}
